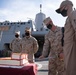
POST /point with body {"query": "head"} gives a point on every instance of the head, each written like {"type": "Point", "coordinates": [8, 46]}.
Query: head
{"type": "Point", "coordinates": [27, 31]}
{"type": "Point", "coordinates": [17, 34]}
{"type": "Point", "coordinates": [49, 23]}
{"type": "Point", "coordinates": [65, 8]}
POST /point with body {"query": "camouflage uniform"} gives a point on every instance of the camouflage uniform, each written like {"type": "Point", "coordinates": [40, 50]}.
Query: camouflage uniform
{"type": "Point", "coordinates": [15, 45]}
{"type": "Point", "coordinates": [53, 43]}
{"type": "Point", "coordinates": [29, 46]}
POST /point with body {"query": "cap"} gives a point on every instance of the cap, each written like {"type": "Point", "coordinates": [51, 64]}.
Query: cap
{"type": "Point", "coordinates": [28, 29]}
{"type": "Point", "coordinates": [47, 20]}
{"type": "Point", "coordinates": [64, 3]}
{"type": "Point", "coordinates": [17, 32]}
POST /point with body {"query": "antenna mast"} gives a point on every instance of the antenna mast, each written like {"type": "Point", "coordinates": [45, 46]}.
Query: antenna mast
{"type": "Point", "coordinates": [40, 7]}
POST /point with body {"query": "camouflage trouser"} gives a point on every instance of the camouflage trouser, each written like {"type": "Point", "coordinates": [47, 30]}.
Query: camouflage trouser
{"type": "Point", "coordinates": [56, 67]}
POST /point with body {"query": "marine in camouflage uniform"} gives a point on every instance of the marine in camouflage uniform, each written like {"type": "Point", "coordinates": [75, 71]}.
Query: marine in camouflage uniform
{"type": "Point", "coordinates": [53, 46]}
{"type": "Point", "coordinates": [15, 45]}
{"type": "Point", "coordinates": [29, 45]}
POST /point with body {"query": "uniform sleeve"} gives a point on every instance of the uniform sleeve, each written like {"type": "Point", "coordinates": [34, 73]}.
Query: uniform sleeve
{"type": "Point", "coordinates": [11, 44]}
{"type": "Point", "coordinates": [35, 45]}
{"type": "Point", "coordinates": [46, 47]}
{"type": "Point", "coordinates": [22, 49]}
{"type": "Point", "coordinates": [21, 44]}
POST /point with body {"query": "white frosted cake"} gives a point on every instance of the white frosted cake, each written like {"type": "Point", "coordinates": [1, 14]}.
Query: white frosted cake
{"type": "Point", "coordinates": [19, 56]}
{"type": "Point", "coordinates": [16, 59]}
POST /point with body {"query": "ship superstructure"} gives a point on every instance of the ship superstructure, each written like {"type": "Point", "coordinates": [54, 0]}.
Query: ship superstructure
{"type": "Point", "coordinates": [7, 29]}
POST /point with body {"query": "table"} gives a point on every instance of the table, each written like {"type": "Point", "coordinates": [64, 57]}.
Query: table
{"type": "Point", "coordinates": [30, 69]}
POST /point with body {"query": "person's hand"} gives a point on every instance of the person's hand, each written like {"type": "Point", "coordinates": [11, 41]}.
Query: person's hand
{"type": "Point", "coordinates": [30, 61]}
{"type": "Point", "coordinates": [61, 56]}
{"type": "Point", "coordinates": [41, 57]}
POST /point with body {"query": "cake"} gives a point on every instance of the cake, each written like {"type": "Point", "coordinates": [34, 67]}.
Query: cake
{"type": "Point", "coordinates": [19, 56]}
{"type": "Point", "coordinates": [16, 59]}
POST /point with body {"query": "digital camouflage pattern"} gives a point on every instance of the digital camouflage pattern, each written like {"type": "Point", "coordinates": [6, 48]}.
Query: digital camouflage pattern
{"type": "Point", "coordinates": [53, 46]}
{"type": "Point", "coordinates": [30, 46]}
{"type": "Point", "coordinates": [15, 45]}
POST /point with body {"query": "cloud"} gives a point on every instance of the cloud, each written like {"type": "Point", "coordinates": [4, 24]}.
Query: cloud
{"type": "Point", "coordinates": [16, 10]}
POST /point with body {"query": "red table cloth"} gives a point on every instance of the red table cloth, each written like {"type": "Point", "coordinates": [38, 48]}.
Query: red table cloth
{"type": "Point", "coordinates": [30, 69]}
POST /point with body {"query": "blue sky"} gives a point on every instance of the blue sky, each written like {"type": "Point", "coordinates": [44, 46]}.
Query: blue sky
{"type": "Point", "coordinates": [22, 10]}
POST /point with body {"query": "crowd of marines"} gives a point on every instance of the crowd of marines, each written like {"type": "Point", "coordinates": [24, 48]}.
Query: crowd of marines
{"type": "Point", "coordinates": [61, 57]}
